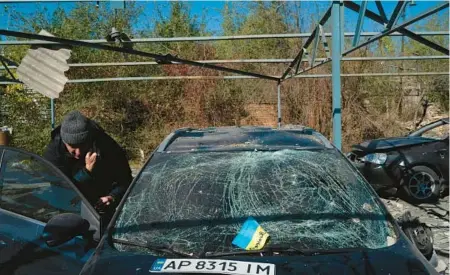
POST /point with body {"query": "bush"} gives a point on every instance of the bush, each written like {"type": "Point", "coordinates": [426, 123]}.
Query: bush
{"type": "Point", "coordinates": [29, 116]}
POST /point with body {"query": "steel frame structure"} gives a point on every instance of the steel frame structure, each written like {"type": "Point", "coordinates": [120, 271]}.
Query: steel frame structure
{"type": "Point", "coordinates": [335, 11]}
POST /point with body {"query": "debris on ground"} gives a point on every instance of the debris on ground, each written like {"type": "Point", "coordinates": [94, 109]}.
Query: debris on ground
{"type": "Point", "coordinates": [436, 216]}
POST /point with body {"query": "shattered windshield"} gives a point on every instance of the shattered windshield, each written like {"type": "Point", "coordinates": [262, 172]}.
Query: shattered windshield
{"type": "Point", "coordinates": [196, 202]}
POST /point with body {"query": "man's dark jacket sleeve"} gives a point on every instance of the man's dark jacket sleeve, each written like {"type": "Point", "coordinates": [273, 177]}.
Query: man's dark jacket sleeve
{"type": "Point", "coordinates": [122, 171]}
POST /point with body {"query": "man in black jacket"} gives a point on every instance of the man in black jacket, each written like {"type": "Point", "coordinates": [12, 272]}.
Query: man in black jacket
{"type": "Point", "coordinates": [96, 164]}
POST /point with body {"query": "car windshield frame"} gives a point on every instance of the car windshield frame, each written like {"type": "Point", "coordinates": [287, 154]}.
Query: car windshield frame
{"type": "Point", "coordinates": [390, 223]}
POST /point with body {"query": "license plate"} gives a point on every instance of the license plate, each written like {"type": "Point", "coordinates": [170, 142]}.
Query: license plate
{"type": "Point", "coordinates": [211, 267]}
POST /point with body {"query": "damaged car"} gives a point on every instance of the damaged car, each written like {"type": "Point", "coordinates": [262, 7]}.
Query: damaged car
{"type": "Point", "coordinates": [416, 166]}
{"type": "Point", "coordinates": [228, 200]}
{"type": "Point", "coordinates": [254, 201]}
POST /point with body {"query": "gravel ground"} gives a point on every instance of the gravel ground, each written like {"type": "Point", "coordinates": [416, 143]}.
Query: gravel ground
{"type": "Point", "coordinates": [435, 216]}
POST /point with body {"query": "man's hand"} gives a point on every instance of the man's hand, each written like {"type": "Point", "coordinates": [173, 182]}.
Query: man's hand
{"type": "Point", "coordinates": [107, 200]}
{"type": "Point", "coordinates": [90, 161]}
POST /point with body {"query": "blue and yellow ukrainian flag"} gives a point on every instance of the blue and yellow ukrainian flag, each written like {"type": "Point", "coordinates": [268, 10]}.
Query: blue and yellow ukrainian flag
{"type": "Point", "coordinates": [251, 236]}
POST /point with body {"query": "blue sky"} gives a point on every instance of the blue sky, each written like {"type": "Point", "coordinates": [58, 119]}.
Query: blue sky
{"type": "Point", "coordinates": [213, 8]}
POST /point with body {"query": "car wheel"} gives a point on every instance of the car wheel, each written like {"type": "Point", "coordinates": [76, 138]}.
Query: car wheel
{"type": "Point", "coordinates": [421, 237]}
{"type": "Point", "coordinates": [418, 233]}
{"type": "Point", "coordinates": [421, 184]}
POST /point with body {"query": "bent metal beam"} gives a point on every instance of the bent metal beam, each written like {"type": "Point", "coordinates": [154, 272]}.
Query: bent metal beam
{"type": "Point", "coordinates": [164, 58]}
{"type": "Point", "coordinates": [216, 38]}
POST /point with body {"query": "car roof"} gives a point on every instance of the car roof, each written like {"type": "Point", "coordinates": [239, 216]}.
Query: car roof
{"type": "Point", "coordinates": [243, 138]}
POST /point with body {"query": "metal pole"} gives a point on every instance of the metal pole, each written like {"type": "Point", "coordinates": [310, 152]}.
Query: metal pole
{"type": "Point", "coordinates": [316, 44]}
{"type": "Point", "coordinates": [230, 77]}
{"type": "Point", "coordinates": [402, 50]}
{"type": "Point", "coordinates": [371, 58]}
{"type": "Point", "coordinates": [279, 103]}
{"type": "Point", "coordinates": [52, 112]}
{"type": "Point", "coordinates": [381, 10]}
{"type": "Point", "coordinates": [341, 15]}
{"type": "Point", "coordinates": [310, 39]}
{"type": "Point", "coordinates": [360, 22]}
{"type": "Point", "coordinates": [336, 74]}
{"type": "Point", "coordinates": [398, 10]}
{"type": "Point", "coordinates": [217, 38]}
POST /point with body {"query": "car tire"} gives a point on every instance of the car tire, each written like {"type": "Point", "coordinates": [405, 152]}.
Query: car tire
{"type": "Point", "coordinates": [418, 233]}
{"type": "Point", "coordinates": [421, 237]}
{"type": "Point", "coordinates": [421, 184]}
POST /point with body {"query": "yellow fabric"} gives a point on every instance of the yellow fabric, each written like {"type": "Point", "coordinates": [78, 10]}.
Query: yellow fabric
{"type": "Point", "coordinates": [259, 239]}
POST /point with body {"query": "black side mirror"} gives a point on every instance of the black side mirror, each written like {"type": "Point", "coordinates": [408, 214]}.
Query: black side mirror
{"type": "Point", "coordinates": [64, 227]}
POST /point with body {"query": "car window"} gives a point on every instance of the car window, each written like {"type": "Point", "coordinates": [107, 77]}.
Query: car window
{"type": "Point", "coordinates": [194, 202]}
{"type": "Point", "coordinates": [30, 187]}
{"type": "Point", "coordinates": [439, 132]}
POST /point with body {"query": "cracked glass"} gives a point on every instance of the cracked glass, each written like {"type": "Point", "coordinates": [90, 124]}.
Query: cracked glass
{"type": "Point", "coordinates": [197, 202]}
{"type": "Point", "coordinates": [31, 188]}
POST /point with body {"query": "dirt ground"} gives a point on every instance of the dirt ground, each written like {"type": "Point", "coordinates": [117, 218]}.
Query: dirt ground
{"type": "Point", "coordinates": [435, 216]}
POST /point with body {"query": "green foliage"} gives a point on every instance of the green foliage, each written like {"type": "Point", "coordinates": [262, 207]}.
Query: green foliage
{"type": "Point", "coordinates": [263, 18]}
{"type": "Point", "coordinates": [440, 94]}
{"type": "Point", "coordinates": [26, 115]}
{"type": "Point", "coordinates": [179, 23]}
{"type": "Point", "coordinates": [224, 106]}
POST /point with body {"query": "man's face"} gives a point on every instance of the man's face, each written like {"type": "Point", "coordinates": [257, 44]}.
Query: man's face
{"type": "Point", "coordinates": [77, 151]}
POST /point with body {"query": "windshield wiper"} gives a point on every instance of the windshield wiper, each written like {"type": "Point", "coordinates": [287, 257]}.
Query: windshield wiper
{"type": "Point", "coordinates": [157, 248]}
{"type": "Point", "coordinates": [270, 249]}
{"type": "Point", "coordinates": [284, 250]}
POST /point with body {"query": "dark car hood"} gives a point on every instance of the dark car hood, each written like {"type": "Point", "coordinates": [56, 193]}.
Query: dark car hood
{"type": "Point", "coordinates": [398, 259]}
{"type": "Point", "coordinates": [389, 143]}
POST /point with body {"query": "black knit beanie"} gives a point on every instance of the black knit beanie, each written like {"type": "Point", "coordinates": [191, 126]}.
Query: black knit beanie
{"type": "Point", "coordinates": [75, 128]}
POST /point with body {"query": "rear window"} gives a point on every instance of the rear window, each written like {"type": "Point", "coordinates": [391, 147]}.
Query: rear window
{"type": "Point", "coordinates": [199, 201]}
{"type": "Point", "coordinates": [228, 140]}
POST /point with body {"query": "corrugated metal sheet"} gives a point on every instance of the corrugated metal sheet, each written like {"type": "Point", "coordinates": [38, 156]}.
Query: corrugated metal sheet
{"type": "Point", "coordinates": [42, 69]}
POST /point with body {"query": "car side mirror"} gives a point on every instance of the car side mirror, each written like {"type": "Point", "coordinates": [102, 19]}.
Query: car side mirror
{"type": "Point", "coordinates": [64, 227]}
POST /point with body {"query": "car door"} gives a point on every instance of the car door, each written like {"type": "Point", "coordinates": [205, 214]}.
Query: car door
{"type": "Point", "coordinates": [441, 152]}
{"type": "Point", "coordinates": [32, 191]}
